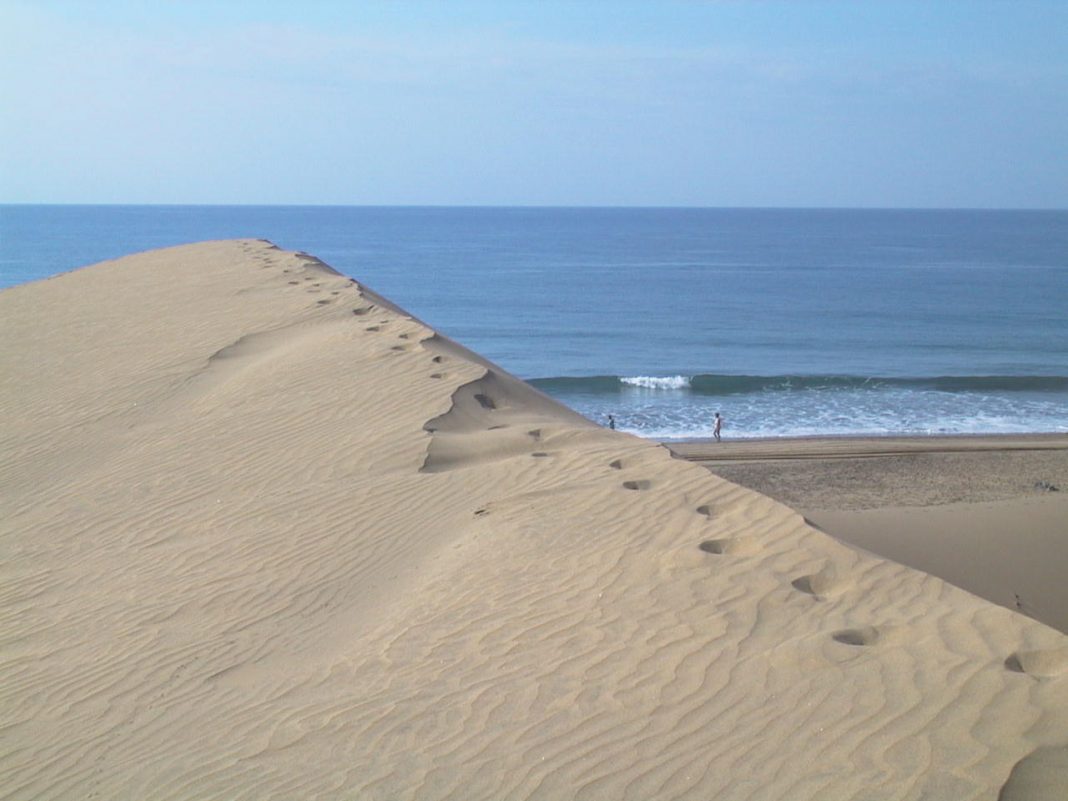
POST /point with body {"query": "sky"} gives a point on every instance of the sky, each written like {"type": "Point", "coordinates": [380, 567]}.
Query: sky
{"type": "Point", "coordinates": [835, 103]}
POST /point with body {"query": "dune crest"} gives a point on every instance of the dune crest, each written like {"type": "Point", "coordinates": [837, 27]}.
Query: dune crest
{"type": "Point", "coordinates": [268, 536]}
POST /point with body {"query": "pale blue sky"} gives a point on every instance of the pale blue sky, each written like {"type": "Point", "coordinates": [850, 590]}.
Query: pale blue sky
{"type": "Point", "coordinates": [940, 103]}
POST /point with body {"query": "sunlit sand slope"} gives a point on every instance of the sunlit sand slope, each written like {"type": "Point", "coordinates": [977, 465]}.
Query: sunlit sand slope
{"type": "Point", "coordinates": [266, 536]}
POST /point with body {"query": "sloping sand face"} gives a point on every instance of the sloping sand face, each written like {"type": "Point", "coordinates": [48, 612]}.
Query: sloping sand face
{"type": "Point", "coordinates": [266, 536]}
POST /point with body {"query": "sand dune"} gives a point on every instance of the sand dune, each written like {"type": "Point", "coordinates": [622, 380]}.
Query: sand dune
{"type": "Point", "coordinates": [267, 536]}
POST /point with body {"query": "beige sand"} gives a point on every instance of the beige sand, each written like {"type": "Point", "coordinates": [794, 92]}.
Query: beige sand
{"type": "Point", "coordinates": [989, 514]}
{"type": "Point", "coordinates": [266, 536]}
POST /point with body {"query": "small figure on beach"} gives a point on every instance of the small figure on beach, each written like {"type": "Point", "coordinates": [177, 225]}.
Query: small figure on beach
{"type": "Point", "coordinates": [717, 427]}
{"type": "Point", "coordinates": [611, 422]}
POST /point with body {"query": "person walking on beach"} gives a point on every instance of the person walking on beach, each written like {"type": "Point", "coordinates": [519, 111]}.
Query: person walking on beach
{"type": "Point", "coordinates": [717, 426]}
{"type": "Point", "coordinates": [611, 422]}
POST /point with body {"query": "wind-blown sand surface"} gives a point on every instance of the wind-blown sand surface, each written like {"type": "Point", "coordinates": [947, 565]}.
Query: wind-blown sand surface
{"type": "Point", "coordinates": [266, 536]}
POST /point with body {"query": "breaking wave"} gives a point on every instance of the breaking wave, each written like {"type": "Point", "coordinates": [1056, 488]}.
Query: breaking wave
{"type": "Point", "coordinates": [711, 384]}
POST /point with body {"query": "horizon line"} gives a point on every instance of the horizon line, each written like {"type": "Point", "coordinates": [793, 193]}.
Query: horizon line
{"type": "Point", "coordinates": [517, 206]}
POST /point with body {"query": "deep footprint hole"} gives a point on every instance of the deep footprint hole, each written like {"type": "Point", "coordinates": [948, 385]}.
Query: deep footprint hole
{"type": "Point", "coordinates": [1042, 663]}
{"type": "Point", "coordinates": [814, 585]}
{"type": "Point", "coordinates": [804, 584]}
{"type": "Point", "coordinates": [856, 637]}
{"type": "Point", "coordinates": [819, 585]}
{"type": "Point", "coordinates": [714, 546]}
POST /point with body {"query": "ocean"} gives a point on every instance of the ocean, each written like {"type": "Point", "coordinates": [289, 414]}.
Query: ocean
{"type": "Point", "coordinates": [788, 322]}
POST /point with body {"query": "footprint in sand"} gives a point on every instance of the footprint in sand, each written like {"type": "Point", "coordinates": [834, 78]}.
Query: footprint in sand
{"type": "Point", "coordinates": [539, 454]}
{"type": "Point", "coordinates": [437, 375]}
{"type": "Point", "coordinates": [859, 637]}
{"type": "Point", "coordinates": [705, 510]}
{"type": "Point", "coordinates": [616, 465]}
{"type": "Point", "coordinates": [715, 546]}
{"type": "Point", "coordinates": [637, 485]}
{"type": "Point", "coordinates": [438, 359]}
{"type": "Point", "coordinates": [362, 310]}
{"type": "Point", "coordinates": [734, 546]}
{"type": "Point", "coordinates": [373, 328]}
{"type": "Point", "coordinates": [535, 434]}
{"type": "Point", "coordinates": [485, 401]}
{"type": "Point", "coordinates": [1044, 663]}
{"type": "Point", "coordinates": [820, 585]}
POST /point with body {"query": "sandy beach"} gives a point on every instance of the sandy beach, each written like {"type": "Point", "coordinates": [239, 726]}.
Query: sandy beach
{"type": "Point", "coordinates": [265, 535]}
{"type": "Point", "coordinates": [989, 514]}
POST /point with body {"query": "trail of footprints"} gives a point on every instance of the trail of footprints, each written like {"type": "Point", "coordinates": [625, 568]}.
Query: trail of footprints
{"type": "Point", "coordinates": [820, 585]}
{"type": "Point", "coordinates": [404, 341]}
{"type": "Point", "coordinates": [315, 287]}
{"type": "Point", "coordinates": [438, 360]}
{"type": "Point", "coordinates": [826, 583]}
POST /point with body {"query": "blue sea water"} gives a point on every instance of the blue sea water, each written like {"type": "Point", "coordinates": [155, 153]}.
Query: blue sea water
{"type": "Point", "coordinates": [789, 322]}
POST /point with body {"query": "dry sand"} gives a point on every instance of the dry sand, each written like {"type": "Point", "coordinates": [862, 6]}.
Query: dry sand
{"type": "Point", "coordinates": [267, 536]}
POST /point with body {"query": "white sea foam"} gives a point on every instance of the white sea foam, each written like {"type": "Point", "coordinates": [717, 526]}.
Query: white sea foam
{"type": "Point", "coordinates": [897, 411]}
{"type": "Point", "coordinates": [657, 382]}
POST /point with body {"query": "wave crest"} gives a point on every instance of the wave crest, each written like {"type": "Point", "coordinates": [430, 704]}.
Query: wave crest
{"type": "Point", "coordinates": [657, 382]}
{"type": "Point", "coordinates": [719, 385]}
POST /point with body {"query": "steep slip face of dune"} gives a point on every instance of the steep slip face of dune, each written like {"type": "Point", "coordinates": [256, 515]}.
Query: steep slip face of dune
{"type": "Point", "coordinates": [267, 536]}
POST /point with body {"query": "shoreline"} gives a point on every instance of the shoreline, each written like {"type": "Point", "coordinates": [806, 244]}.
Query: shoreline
{"type": "Point", "coordinates": [857, 445]}
{"type": "Point", "coordinates": [987, 513]}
